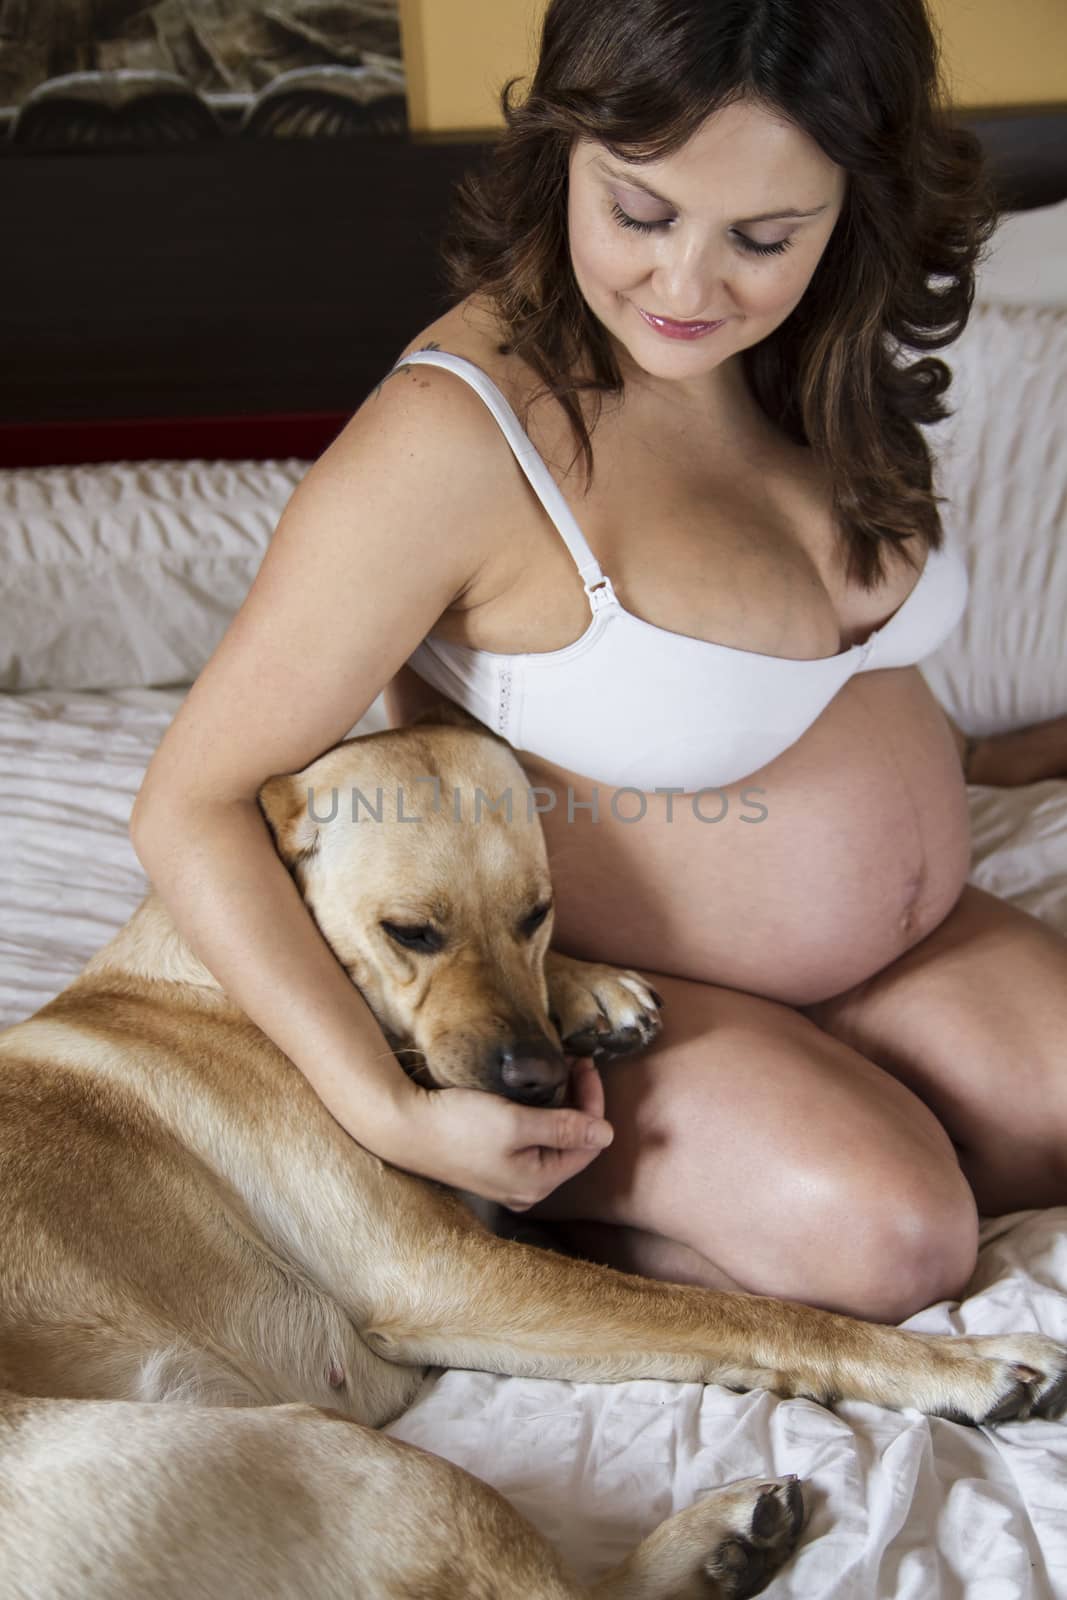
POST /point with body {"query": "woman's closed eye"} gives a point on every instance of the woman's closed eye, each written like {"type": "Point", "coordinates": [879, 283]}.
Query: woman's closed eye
{"type": "Point", "coordinates": [626, 221]}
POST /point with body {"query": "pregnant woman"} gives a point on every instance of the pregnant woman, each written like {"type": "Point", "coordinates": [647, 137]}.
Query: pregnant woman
{"type": "Point", "coordinates": [691, 587]}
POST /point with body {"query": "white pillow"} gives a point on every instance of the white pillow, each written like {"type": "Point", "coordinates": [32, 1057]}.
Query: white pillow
{"type": "Point", "coordinates": [1002, 460]}
{"type": "Point", "coordinates": [1027, 264]}
{"type": "Point", "coordinates": [126, 576]}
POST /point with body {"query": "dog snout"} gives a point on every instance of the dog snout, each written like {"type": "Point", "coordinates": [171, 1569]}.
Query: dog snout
{"type": "Point", "coordinates": [530, 1070]}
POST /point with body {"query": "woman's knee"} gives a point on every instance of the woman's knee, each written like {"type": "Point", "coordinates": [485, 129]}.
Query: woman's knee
{"type": "Point", "coordinates": [853, 1199]}
{"type": "Point", "coordinates": [878, 1239]}
{"type": "Point", "coordinates": [917, 1238]}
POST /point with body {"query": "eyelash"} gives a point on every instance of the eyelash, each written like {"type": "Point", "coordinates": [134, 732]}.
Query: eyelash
{"type": "Point", "coordinates": [750, 245]}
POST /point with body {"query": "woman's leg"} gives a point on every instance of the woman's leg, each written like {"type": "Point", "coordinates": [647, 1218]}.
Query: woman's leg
{"type": "Point", "coordinates": [753, 1150]}
{"type": "Point", "coordinates": [973, 1019]}
{"type": "Point", "coordinates": [650, 1255]}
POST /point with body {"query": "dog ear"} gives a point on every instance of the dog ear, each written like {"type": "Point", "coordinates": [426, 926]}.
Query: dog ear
{"type": "Point", "coordinates": [284, 802]}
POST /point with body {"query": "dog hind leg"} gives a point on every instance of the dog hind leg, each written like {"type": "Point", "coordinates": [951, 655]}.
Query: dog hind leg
{"type": "Point", "coordinates": [285, 1500]}
{"type": "Point", "coordinates": [259, 1504]}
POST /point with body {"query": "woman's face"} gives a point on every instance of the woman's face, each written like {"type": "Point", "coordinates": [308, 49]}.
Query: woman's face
{"type": "Point", "coordinates": [723, 238]}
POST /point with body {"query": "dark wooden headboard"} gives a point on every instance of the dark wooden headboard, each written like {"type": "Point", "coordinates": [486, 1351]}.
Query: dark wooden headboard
{"type": "Point", "coordinates": [240, 299]}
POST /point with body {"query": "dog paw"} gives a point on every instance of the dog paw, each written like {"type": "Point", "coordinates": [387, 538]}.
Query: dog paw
{"type": "Point", "coordinates": [746, 1560]}
{"type": "Point", "coordinates": [1002, 1378]}
{"type": "Point", "coordinates": [974, 1379]}
{"type": "Point", "coordinates": [600, 1011]}
{"type": "Point", "coordinates": [730, 1543]}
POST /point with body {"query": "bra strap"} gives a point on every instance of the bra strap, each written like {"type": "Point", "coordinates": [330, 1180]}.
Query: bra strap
{"type": "Point", "coordinates": [597, 586]}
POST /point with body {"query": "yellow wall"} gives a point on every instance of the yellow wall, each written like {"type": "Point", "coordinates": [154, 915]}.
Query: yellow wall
{"type": "Point", "coordinates": [1004, 52]}
{"type": "Point", "coordinates": [459, 52]}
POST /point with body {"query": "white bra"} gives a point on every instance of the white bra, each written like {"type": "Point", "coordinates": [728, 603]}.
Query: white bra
{"type": "Point", "coordinates": [632, 705]}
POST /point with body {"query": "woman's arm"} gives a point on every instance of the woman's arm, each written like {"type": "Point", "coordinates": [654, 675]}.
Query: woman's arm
{"type": "Point", "coordinates": [1008, 760]}
{"type": "Point", "coordinates": [385, 534]}
{"type": "Point", "coordinates": [239, 910]}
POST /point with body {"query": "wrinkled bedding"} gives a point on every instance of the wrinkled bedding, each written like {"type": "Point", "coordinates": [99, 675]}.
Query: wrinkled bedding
{"type": "Point", "coordinates": [902, 1507]}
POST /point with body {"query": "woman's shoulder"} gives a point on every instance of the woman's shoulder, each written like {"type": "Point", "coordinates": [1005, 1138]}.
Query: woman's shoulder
{"type": "Point", "coordinates": [470, 329]}
{"type": "Point", "coordinates": [473, 330]}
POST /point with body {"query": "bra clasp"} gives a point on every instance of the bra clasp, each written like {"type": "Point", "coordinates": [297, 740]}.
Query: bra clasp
{"type": "Point", "coordinates": [600, 594]}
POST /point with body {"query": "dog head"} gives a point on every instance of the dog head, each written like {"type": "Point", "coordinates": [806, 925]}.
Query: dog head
{"type": "Point", "coordinates": [420, 856]}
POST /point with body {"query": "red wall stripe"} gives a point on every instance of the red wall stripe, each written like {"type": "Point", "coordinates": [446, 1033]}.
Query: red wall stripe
{"type": "Point", "coordinates": [247, 438]}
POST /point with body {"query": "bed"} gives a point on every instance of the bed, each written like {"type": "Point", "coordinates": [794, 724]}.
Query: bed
{"type": "Point", "coordinates": [119, 578]}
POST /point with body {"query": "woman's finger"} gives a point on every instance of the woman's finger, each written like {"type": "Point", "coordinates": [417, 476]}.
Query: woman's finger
{"type": "Point", "coordinates": [587, 1088]}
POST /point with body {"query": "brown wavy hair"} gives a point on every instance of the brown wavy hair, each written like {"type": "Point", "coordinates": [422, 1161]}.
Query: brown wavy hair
{"type": "Point", "coordinates": [861, 78]}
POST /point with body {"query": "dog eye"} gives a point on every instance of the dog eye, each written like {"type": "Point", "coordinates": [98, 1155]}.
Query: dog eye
{"type": "Point", "coordinates": [422, 938]}
{"type": "Point", "coordinates": [535, 919]}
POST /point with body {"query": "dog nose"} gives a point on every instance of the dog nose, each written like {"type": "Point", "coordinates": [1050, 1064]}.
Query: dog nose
{"type": "Point", "coordinates": [532, 1071]}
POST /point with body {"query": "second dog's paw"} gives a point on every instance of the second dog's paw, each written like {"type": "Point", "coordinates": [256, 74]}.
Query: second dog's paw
{"type": "Point", "coordinates": [746, 1560]}
{"type": "Point", "coordinates": [600, 1011]}
{"type": "Point", "coordinates": [729, 1544]}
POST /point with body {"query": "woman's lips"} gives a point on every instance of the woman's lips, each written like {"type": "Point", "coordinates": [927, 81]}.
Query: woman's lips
{"type": "Point", "coordinates": [680, 330]}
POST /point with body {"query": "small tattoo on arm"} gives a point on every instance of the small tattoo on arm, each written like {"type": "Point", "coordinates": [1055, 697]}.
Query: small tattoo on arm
{"type": "Point", "coordinates": [401, 368]}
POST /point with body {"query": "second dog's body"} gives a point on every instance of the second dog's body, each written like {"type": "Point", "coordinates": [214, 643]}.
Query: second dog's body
{"type": "Point", "coordinates": [183, 1220]}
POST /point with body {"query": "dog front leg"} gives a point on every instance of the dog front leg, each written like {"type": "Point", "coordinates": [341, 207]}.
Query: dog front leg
{"type": "Point", "coordinates": [498, 1306]}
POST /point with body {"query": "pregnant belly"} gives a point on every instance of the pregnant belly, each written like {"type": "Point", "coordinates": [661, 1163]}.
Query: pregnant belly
{"type": "Point", "coordinates": [798, 882]}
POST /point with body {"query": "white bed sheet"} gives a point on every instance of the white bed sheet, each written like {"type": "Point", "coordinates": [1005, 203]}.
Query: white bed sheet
{"type": "Point", "coordinates": [903, 1507]}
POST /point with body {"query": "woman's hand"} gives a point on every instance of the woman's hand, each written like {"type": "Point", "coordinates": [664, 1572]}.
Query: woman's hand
{"type": "Point", "coordinates": [503, 1151]}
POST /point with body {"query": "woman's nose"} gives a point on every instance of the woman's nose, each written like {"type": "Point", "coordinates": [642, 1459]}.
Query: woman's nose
{"type": "Point", "coordinates": [693, 285]}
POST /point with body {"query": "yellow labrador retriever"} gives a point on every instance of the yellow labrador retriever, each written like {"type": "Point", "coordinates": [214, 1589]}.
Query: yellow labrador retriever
{"type": "Point", "coordinates": [181, 1220]}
